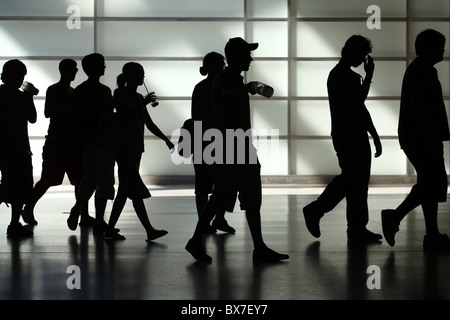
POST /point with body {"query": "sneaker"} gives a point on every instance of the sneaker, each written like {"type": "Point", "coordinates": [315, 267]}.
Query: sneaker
{"type": "Point", "coordinates": [113, 235]}
{"type": "Point", "coordinates": [222, 225]}
{"type": "Point", "coordinates": [16, 230]}
{"type": "Point", "coordinates": [210, 230]}
{"type": "Point", "coordinates": [268, 255]}
{"type": "Point", "coordinates": [312, 220]}
{"type": "Point", "coordinates": [87, 221]}
{"type": "Point", "coordinates": [155, 234]}
{"type": "Point", "coordinates": [28, 217]}
{"type": "Point", "coordinates": [197, 251]}
{"type": "Point", "coordinates": [363, 236]}
{"type": "Point", "coordinates": [390, 225]}
{"type": "Point", "coordinates": [439, 242]}
{"type": "Point", "coordinates": [72, 221]}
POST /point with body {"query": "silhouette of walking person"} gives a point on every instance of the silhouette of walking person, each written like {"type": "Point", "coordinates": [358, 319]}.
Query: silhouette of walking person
{"type": "Point", "coordinates": [17, 109]}
{"type": "Point", "coordinates": [91, 101]}
{"type": "Point", "coordinates": [134, 117]}
{"type": "Point", "coordinates": [350, 124]}
{"type": "Point", "coordinates": [232, 178]}
{"type": "Point", "coordinates": [422, 128]}
{"type": "Point", "coordinates": [202, 110]}
{"type": "Point", "coordinates": [62, 152]}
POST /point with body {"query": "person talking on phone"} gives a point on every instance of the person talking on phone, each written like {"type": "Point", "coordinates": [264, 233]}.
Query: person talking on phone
{"type": "Point", "coordinates": [350, 125]}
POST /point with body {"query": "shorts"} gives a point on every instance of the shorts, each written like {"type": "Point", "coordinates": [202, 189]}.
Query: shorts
{"type": "Point", "coordinates": [204, 178]}
{"type": "Point", "coordinates": [98, 177]}
{"type": "Point", "coordinates": [241, 182]}
{"type": "Point", "coordinates": [60, 158]}
{"type": "Point", "coordinates": [17, 178]}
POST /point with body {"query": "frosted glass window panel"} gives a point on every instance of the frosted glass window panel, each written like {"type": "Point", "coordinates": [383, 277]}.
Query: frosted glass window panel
{"type": "Point", "coordinates": [36, 159]}
{"type": "Point", "coordinates": [22, 8]}
{"type": "Point", "coordinates": [443, 69]}
{"type": "Point", "coordinates": [447, 155]}
{"type": "Point", "coordinates": [268, 115]}
{"type": "Point", "coordinates": [271, 36]}
{"type": "Point", "coordinates": [169, 116]}
{"type": "Point", "coordinates": [45, 38]}
{"type": "Point", "coordinates": [170, 8]}
{"type": "Point", "coordinates": [40, 127]}
{"type": "Point", "coordinates": [429, 8]}
{"type": "Point", "coordinates": [273, 156]}
{"type": "Point", "coordinates": [326, 39]}
{"type": "Point", "coordinates": [273, 73]}
{"type": "Point", "coordinates": [418, 26]}
{"type": "Point", "coordinates": [310, 118]}
{"type": "Point", "coordinates": [348, 8]}
{"type": "Point", "coordinates": [166, 78]}
{"type": "Point", "coordinates": [384, 115]}
{"type": "Point", "coordinates": [309, 78]}
{"type": "Point", "coordinates": [313, 157]}
{"type": "Point", "coordinates": [165, 39]}
{"type": "Point", "coordinates": [157, 161]}
{"type": "Point", "coordinates": [267, 9]}
{"type": "Point", "coordinates": [387, 78]}
{"type": "Point", "coordinates": [393, 160]}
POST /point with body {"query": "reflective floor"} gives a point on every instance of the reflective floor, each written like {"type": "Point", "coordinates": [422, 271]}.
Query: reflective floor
{"type": "Point", "coordinates": [60, 264]}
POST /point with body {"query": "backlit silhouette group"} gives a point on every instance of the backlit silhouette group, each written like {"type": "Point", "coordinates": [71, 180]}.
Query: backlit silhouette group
{"type": "Point", "coordinates": [93, 128]}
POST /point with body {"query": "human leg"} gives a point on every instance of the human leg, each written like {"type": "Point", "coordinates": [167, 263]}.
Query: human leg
{"type": "Point", "coordinates": [39, 190]}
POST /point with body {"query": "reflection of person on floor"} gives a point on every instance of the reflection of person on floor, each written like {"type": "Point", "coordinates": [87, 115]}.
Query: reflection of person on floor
{"type": "Point", "coordinates": [232, 112]}
{"type": "Point", "coordinates": [203, 110]}
{"type": "Point", "coordinates": [91, 101]}
{"type": "Point", "coordinates": [62, 152]}
{"type": "Point", "coordinates": [423, 126]}
{"type": "Point", "coordinates": [16, 111]}
{"type": "Point", "coordinates": [133, 114]}
{"type": "Point", "coordinates": [350, 124]}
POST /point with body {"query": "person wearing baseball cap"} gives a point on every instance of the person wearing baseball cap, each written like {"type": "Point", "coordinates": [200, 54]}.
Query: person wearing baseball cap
{"type": "Point", "coordinates": [237, 171]}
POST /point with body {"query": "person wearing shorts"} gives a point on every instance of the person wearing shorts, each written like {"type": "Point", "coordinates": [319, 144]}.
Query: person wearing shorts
{"type": "Point", "coordinates": [62, 152]}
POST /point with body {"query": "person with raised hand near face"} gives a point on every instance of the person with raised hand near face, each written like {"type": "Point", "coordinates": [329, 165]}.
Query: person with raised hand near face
{"type": "Point", "coordinates": [351, 124]}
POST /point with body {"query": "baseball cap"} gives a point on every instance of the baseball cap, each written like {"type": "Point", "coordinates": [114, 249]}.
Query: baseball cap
{"type": "Point", "coordinates": [238, 45]}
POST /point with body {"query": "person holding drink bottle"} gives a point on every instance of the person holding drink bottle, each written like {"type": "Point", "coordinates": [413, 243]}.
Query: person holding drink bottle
{"type": "Point", "coordinates": [17, 109]}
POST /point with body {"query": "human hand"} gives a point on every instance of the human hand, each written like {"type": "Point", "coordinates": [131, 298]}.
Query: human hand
{"type": "Point", "coordinates": [378, 147]}
{"type": "Point", "coordinates": [150, 98]}
{"type": "Point", "coordinates": [170, 145]}
{"type": "Point", "coordinates": [369, 66]}
{"type": "Point", "coordinates": [250, 87]}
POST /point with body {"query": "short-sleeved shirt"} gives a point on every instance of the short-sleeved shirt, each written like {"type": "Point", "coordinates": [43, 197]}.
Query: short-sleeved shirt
{"type": "Point", "coordinates": [232, 115]}
{"type": "Point", "coordinates": [14, 106]}
{"type": "Point", "coordinates": [91, 100]}
{"type": "Point", "coordinates": [130, 108]}
{"type": "Point", "coordinates": [58, 97]}
{"type": "Point", "coordinates": [347, 109]}
{"type": "Point", "coordinates": [422, 109]}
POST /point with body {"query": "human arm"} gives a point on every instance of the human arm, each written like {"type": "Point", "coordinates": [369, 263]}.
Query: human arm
{"type": "Point", "coordinates": [153, 128]}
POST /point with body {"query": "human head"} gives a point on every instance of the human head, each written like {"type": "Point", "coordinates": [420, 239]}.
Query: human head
{"type": "Point", "coordinates": [237, 52]}
{"type": "Point", "coordinates": [213, 63]}
{"type": "Point", "coordinates": [430, 45]}
{"type": "Point", "coordinates": [355, 49]}
{"type": "Point", "coordinates": [132, 73]}
{"type": "Point", "coordinates": [13, 73]}
{"type": "Point", "coordinates": [93, 65]}
{"type": "Point", "coordinates": [68, 68]}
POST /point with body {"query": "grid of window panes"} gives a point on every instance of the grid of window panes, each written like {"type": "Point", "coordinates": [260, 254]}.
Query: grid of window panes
{"type": "Point", "coordinates": [300, 41]}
